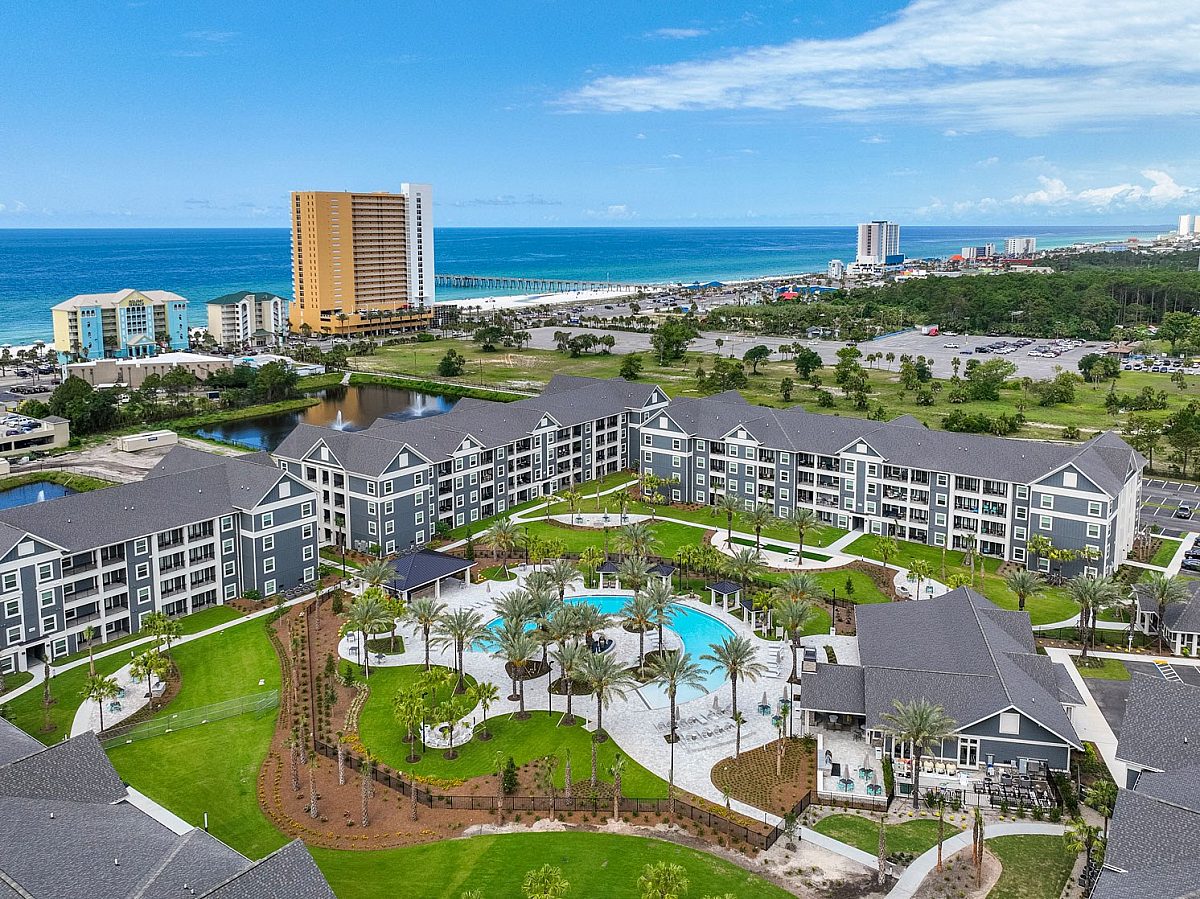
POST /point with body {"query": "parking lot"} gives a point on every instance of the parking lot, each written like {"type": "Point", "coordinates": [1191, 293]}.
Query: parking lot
{"type": "Point", "coordinates": [967, 347]}
{"type": "Point", "coordinates": [1161, 498]}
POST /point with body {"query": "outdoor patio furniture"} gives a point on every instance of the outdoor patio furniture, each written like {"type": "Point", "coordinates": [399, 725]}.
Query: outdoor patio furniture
{"type": "Point", "coordinates": [121, 693]}
{"type": "Point", "coordinates": [951, 769]}
{"type": "Point", "coordinates": [940, 768]}
{"type": "Point", "coordinates": [874, 789]}
{"type": "Point", "coordinates": [114, 706]}
{"type": "Point", "coordinates": [846, 785]}
{"type": "Point", "coordinates": [865, 773]}
{"type": "Point", "coordinates": [927, 766]}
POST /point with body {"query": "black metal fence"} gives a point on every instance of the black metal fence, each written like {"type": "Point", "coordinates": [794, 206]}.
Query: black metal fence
{"type": "Point", "coordinates": [631, 805]}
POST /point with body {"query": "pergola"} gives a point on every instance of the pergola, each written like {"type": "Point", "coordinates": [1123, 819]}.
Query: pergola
{"type": "Point", "coordinates": [425, 568]}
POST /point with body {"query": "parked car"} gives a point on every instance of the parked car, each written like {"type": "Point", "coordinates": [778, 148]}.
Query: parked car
{"type": "Point", "coordinates": [950, 346]}
{"type": "Point", "coordinates": [1183, 511]}
{"type": "Point", "coordinates": [1190, 565]}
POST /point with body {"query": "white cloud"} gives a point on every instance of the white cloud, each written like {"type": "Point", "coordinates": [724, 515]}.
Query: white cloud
{"type": "Point", "coordinates": [616, 212]}
{"type": "Point", "coordinates": [672, 156]}
{"type": "Point", "coordinates": [1157, 191]}
{"type": "Point", "coordinates": [1020, 65]}
{"type": "Point", "coordinates": [212, 37]}
{"type": "Point", "coordinates": [676, 34]}
{"type": "Point", "coordinates": [639, 136]}
{"type": "Point", "coordinates": [988, 163]}
{"type": "Point", "coordinates": [874, 139]}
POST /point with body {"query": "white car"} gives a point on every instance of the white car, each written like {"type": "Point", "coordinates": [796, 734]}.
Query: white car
{"type": "Point", "coordinates": [950, 346]}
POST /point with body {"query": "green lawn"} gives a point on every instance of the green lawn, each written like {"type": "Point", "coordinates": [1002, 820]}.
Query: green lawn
{"type": "Point", "coordinates": [80, 483]}
{"type": "Point", "coordinates": [771, 547]}
{"type": "Point", "coordinates": [496, 573]}
{"type": "Point", "coordinates": [538, 737]}
{"type": "Point", "coordinates": [597, 865]}
{"type": "Point", "coordinates": [189, 624]}
{"type": "Point", "coordinates": [916, 836]}
{"type": "Point", "coordinates": [14, 680]}
{"type": "Point", "coordinates": [1035, 867]}
{"type": "Point", "coordinates": [667, 535]}
{"type": "Point", "coordinates": [1165, 553]}
{"type": "Point", "coordinates": [25, 711]}
{"type": "Point", "coordinates": [834, 581]}
{"type": "Point", "coordinates": [213, 768]}
{"type": "Point", "coordinates": [1103, 669]}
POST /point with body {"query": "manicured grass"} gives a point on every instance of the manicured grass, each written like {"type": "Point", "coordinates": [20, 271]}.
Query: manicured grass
{"type": "Point", "coordinates": [189, 624]}
{"type": "Point", "coordinates": [537, 737]}
{"type": "Point", "coordinates": [439, 387]}
{"type": "Point", "coordinates": [1035, 867]}
{"type": "Point", "coordinates": [213, 768]}
{"type": "Point", "coordinates": [667, 535]}
{"type": "Point", "coordinates": [80, 483]}
{"type": "Point", "coordinates": [496, 573]}
{"type": "Point", "coordinates": [16, 679]}
{"type": "Point", "coordinates": [319, 382]}
{"type": "Point", "coordinates": [1103, 669]}
{"type": "Point", "coordinates": [597, 865]}
{"type": "Point", "coordinates": [333, 556]}
{"type": "Point", "coordinates": [834, 581]}
{"type": "Point", "coordinates": [771, 547]}
{"type": "Point", "coordinates": [916, 836]}
{"type": "Point", "coordinates": [25, 711]}
{"type": "Point", "coordinates": [1165, 553]}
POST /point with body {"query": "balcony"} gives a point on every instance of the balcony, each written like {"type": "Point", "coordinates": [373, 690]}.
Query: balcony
{"type": "Point", "coordinates": [966, 505]}
{"type": "Point", "coordinates": [995, 488]}
{"type": "Point", "coordinates": [919, 477]}
{"type": "Point", "coordinates": [77, 595]}
{"type": "Point", "coordinates": [992, 529]}
{"type": "Point", "coordinates": [826, 464]}
{"type": "Point", "coordinates": [970, 485]}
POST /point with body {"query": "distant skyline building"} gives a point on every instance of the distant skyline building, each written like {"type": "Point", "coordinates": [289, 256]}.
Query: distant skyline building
{"type": "Point", "coordinates": [1020, 246]}
{"type": "Point", "coordinates": [126, 324]}
{"type": "Point", "coordinates": [878, 244]}
{"type": "Point", "coordinates": [836, 269]}
{"type": "Point", "coordinates": [362, 261]}
{"type": "Point", "coordinates": [248, 318]}
{"type": "Point", "coordinates": [1187, 225]}
{"type": "Point", "coordinates": [983, 251]}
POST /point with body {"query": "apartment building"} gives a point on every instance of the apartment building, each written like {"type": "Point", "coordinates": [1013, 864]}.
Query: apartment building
{"type": "Point", "coordinates": [1020, 246]}
{"type": "Point", "coordinates": [247, 318]}
{"type": "Point", "coordinates": [878, 244]}
{"type": "Point", "coordinates": [362, 262]}
{"type": "Point", "coordinates": [394, 483]}
{"type": "Point", "coordinates": [127, 324]}
{"type": "Point", "coordinates": [900, 478]}
{"type": "Point", "coordinates": [199, 530]}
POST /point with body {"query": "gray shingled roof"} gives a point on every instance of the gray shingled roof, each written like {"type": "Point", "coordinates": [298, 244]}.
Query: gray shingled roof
{"type": "Point", "coordinates": [288, 872]}
{"type": "Point", "coordinates": [15, 743]}
{"type": "Point", "coordinates": [1151, 850]}
{"type": "Point", "coordinates": [1105, 459]}
{"type": "Point", "coordinates": [415, 570]}
{"type": "Point", "coordinates": [190, 486]}
{"type": "Point", "coordinates": [963, 653]}
{"type": "Point", "coordinates": [1162, 724]}
{"type": "Point", "coordinates": [833, 688]}
{"type": "Point", "coordinates": [75, 770]}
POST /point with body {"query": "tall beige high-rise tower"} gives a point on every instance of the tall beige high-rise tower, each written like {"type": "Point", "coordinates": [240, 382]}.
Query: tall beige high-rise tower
{"type": "Point", "coordinates": [362, 262]}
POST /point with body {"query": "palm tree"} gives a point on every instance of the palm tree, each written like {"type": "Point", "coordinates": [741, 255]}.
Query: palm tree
{"type": "Point", "coordinates": [635, 539]}
{"type": "Point", "coordinates": [100, 690]}
{"type": "Point", "coordinates": [88, 634]}
{"type": "Point", "coordinates": [1039, 547]}
{"type": "Point", "coordinates": [798, 587]}
{"type": "Point", "coordinates": [743, 566]}
{"type": "Point", "coordinates": [1025, 584]}
{"type": "Point", "coordinates": [1082, 837]}
{"type": "Point", "coordinates": [424, 613]}
{"type": "Point", "coordinates": [738, 658]}
{"type": "Point", "coordinates": [313, 763]}
{"type": "Point", "coordinates": [589, 619]}
{"type": "Point", "coordinates": [638, 614]}
{"type": "Point", "coordinates": [731, 506]}
{"type": "Point", "coordinates": [616, 770]}
{"type": "Point", "coordinates": [589, 560]}
{"type": "Point", "coordinates": [487, 695]}
{"type": "Point", "coordinates": [502, 538]}
{"type": "Point", "coordinates": [1091, 594]}
{"type": "Point", "coordinates": [459, 629]}
{"type": "Point", "coordinates": [758, 518]}
{"type": "Point", "coordinates": [570, 656]}
{"type": "Point", "coordinates": [663, 880]}
{"type": "Point", "coordinates": [368, 615]}
{"type": "Point", "coordinates": [793, 615]}
{"type": "Point", "coordinates": [673, 670]}
{"type": "Point", "coordinates": [376, 573]}
{"type": "Point", "coordinates": [1163, 590]}
{"type": "Point", "coordinates": [661, 600]}
{"type": "Point", "coordinates": [923, 725]}
{"type": "Point", "coordinates": [608, 679]}
{"type": "Point", "coordinates": [561, 574]}
{"type": "Point", "coordinates": [921, 571]}
{"type": "Point", "coordinates": [517, 647]}
{"type": "Point", "coordinates": [546, 882]}
{"type": "Point", "coordinates": [804, 520]}
{"type": "Point", "coordinates": [633, 572]}
{"type": "Point", "coordinates": [516, 606]}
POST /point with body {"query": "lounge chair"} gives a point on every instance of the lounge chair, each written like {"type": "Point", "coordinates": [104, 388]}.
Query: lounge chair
{"type": "Point", "coordinates": [951, 769]}
{"type": "Point", "coordinates": [940, 768]}
{"type": "Point", "coordinates": [927, 766]}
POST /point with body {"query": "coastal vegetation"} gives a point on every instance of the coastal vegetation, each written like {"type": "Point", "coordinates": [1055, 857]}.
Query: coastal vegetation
{"type": "Point", "coordinates": [80, 483]}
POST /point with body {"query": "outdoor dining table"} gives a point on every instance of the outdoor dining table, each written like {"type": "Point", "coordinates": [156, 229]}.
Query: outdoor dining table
{"type": "Point", "coordinates": [866, 774]}
{"type": "Point", "coordinates": [846, 785]}
{"type": "Point", "coordinates": [874, 789]}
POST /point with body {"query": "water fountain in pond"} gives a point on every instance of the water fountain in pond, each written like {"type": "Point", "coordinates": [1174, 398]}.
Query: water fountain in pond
{"type": "Point", "coordinates": [339, 423]}
{"type": "Point", "coordinates": [41, 496]}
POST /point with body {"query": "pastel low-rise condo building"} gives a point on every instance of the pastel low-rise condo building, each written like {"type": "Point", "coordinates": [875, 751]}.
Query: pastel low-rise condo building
{"type": "Point", "coordinates": [993, 495]}
{"type": "Point", "coordinates": [199, 530]}
{"type": "Point", "coordinates": [127, 324]}
{"type": "Point", "coordinates": [394, 483]}
{"type": "Point", "coordinates": [247, 318]}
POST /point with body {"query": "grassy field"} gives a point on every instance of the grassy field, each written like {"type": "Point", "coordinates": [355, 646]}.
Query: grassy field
{"type": "Point", "coordinates": [190, 624]}
{"type": "Point", "coordinates": [214, 768]}
{"type": "Point", "coordinates": [1035, 867]}
{"type": "Point", "coordinates": [668, 536]}
{"type": "Point", "coordinates": [1165, 553]}
{"type": "Point", "coordinates": [25, 711]}
{"type": "Point", "coordinates": [14, 680]}
{"type": "Point", "coordinates": [1102, 669]}
{"type": "Point", "coordinates": [531, 369]}
{"type": "Point", "coordinates": [540, 736]}
{"type": "Point", "coordinates": [1051, 604]}
{"type": "Point", "coordinates": [597, 866]}
{"type": "Point", "coordinates": [915, 836]}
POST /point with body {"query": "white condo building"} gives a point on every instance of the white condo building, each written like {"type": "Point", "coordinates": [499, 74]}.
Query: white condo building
{"type": "Point", "coordinates": [876, 242]}
{"type": "Point", "coordinates": [1020, 246]}
{"type": "Point", "coordinates": [836, 269]}
{"type": "Point", "coordinates": [1187, 225]}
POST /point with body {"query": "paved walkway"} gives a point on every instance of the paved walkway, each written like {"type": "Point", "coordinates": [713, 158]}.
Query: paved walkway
{"type": "Point", "coordinates": [1089, 721]}
{"type": "Point", "coordinates": [87, 717]}
{"type": "Point", "coordinates": [915, 874]}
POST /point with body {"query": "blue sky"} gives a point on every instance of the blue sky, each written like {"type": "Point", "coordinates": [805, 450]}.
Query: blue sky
{"type": "Point", "coordinates": [536, 112]}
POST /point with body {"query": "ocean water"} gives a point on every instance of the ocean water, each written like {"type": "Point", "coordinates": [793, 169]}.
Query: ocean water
{"type": "Point", "coordinates": [39, 268]}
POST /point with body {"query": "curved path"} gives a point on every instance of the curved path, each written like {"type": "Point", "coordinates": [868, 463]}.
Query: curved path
{"type": "Point", "coordinates": [914, 875]}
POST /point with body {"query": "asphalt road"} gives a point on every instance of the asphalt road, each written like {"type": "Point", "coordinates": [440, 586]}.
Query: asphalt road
{"type": "Point", "coordinates": [1160, 499]}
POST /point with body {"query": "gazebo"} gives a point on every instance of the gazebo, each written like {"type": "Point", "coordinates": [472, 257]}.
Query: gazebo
{"type": "Point", "coordinates": [425, 568]}
{"type": "Point", "coordinates": [725, 593]}
{"type": "Point", "coordinates": [663, 572]}
{"type": "Point", "coordinates": [608, 570]}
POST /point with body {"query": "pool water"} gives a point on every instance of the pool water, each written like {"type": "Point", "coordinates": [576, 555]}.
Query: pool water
{"type": "Point", "coordinates": [697, 630]}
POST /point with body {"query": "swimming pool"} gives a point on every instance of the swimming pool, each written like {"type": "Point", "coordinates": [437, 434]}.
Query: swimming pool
{"type": "Point", "coordinates": [696, 629]}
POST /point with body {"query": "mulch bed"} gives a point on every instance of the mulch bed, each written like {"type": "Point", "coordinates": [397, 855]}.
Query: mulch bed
{"type": "Point", "coordinates": [752, 778]}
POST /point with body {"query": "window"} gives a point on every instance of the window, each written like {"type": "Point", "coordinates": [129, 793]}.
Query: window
{"type": "Point", "coordinates": [870, 508]}
{"type": "Point", "coordinates": [675, 444]}
{"type": "Point", "coordinates": [268, 519]}
{"type": "Point", "coordinates": [46, 598]}
{"type": "Point", "coordinates": [700, 480]}
{"type": "Point", "coordinates": [1045, 522]}
{"type": "Point", "coordinates": [943, 480]}
{"type": "Point", "coordinates": [388, 487]}
{"type": "Point", "coordinates": [939, 539]}
{"type": "Point", "coordinates": [1089, 571]}
{"type": "Point", "coordinates": [13, 634]}
{"type": "Point", "coordinates": [143, 595]}
{"type": "Point", "coordinates": [700, 445]}
{"type": "Point", "coordinates": [940, 500]}
{"type": "Point", "coordinates": [230, 591]}
{"type": "Point", "coordinates": [674, 461]}
{"type": "Point", "coordinates": [1018, 533]}
{"type": "Point", "coordinates": [1044, 565]}
{"type": "Point", "coordinates": [9, 582]}
{"type": "Point", "coordinates": [783, 476]}
{"type": "Point", "coordinates": [848, 466]}
{"type": "Point", "coordinates": [371, 509]}
{"type": "Point", "coordinates": [1022, 492]}
{"type": "Point", "coordinates": [785, 458]}
{"type": "Point", "coordinates": [1018, 554]}
{"type": "Point", "coordinates": [142, 571]}
{"type": "Point", "coordinates": [268, 542]}
{"type": "Point", "coordinates": [872, 470]}
{"type": "Point", "coordinates": [646, 439]}
{"type": "Point", "coordinates": [1010, 723]}
{"type": "Point", "coordinates": [1022, 513]}
{"type": "Point", "coordinates": [419, 518]}
{"type": "Point", "coordinates": [230, 569]}
{"type": "Point", "coordinates": [12, 608]}
{"type": "Point", "coordinates": [1093, 531]}
{"type": "Point", "coordinates": [871, 489]}
{"type": "Point", "coordinates": [1070, 479]}
{"type": "Point", "coordinates": [268, 564]}
{"type": "Point", "coordinates": [939, 519]}
{"type": "Point", "coordinates": [372, 528]}
{"type": "Point", "coordinates": [309, 572]}
{"type": "Point", "coordinates": [1046, 500]}
{"type": "Point", "coordinates": [49, 624]}
{"type": "Point", "coordinates": [306, 532]}
{"type": "Point", "coordinates": [848, 503]}
{"type": "Point", "coordinates": [733, 468]}
{"type": "Point", "coordinates": [45, 571]}
{"type": "Point", "coordinates": [141, 546]}
{"type": "Point", "coordinates": [269, 587]}
{"type": "Point", "coordinates": [285, 489]}
{"type": "Point", "coordinates": [306, 510]}
{"type": "Point", "coordinates": [748, 487]}
{"type": "Point", "coordinates": [1094, 509]}
{"type": "Point", "coordinates": [418, 479]}
{"type": "Point", "coordinates": [226, 525]}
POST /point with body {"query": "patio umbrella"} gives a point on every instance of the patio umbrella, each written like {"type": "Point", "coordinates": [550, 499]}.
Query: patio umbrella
{"type": "Point", "coordinates": [763, 702]}
{"type": "Point", "coordinates": [868, 762]}
{"type": "Point", "coordinates": [716, 703]}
